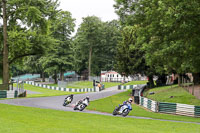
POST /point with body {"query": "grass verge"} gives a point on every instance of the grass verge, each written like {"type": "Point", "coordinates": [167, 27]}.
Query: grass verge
{"type": "Point", "coordinates": [108, 104]}
{"type": "Point", "coordinates": [15, 119]}
{"type": "Point", "coordinates": [136, 82]}
{"type": "Point", "coordinates": [45, 92]}
{"type": "Point", "coordinates": [87, 84]}
{"type": "Point", "coordinates": [178, 94]}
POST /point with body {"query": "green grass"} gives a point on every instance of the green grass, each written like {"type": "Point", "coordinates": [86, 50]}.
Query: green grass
{"type": "Point", "coordinates": [136, 82]}
{"type": "Point", "coordinates": [18, 119]}
{"type": "Point", "coordinates": [81, 84]}
{"type": "Point", "coordinates": [110, 84]}
{"type": "Point", "coordinates": [87, 84]}
{"type": "Point", "coordinates": [45, 92]}
{"type": "Point", "coordinates": [78, 85]}
{"type": "Point", "coordinates": [0, 81]}
{"type": "Point", "coordinates": [180, 95]}
{"type": "Point", "coordinates": [108, 104]}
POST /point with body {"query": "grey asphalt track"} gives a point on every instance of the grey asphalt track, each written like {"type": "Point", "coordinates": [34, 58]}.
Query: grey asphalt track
{"type": "Point", "coordinates": [56, 102]}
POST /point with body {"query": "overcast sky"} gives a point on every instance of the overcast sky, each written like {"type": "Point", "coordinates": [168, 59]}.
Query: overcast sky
{"type": "Point", "coordinates": [83, 8]}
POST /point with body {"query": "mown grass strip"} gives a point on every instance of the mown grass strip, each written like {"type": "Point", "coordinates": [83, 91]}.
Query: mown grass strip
{"type": "Point", "coordinates": [108, 104]}
{"type": "Point", "coordinates": [15, 119]}
{"type": "Point", "coordinates": [45, 92]}
{"type": "Point", "coordinates": [87, 84]}
{"type": "Point", "coordinates": [136, 82]}
{"type": "Point", "coordinates": [172, 94]}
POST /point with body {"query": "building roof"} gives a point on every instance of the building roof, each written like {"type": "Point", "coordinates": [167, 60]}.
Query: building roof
{"type": "Point", "coordinates": [112, 72]}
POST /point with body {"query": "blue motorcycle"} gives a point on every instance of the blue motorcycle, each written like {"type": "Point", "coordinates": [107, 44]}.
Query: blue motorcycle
{"type": "Point", "coordinates": [123, 109]}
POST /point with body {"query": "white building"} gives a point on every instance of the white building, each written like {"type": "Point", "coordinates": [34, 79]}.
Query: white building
{"type": "Point", "coordinates": [112, 76]}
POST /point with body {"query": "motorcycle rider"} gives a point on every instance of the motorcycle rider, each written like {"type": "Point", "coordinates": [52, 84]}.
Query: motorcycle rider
{"type": "Point", "coordinates": [130, 100]}
{"type": "Point", "coordinates": [87, 98]}
{"type": "Point", "coordinates": [69, 98]}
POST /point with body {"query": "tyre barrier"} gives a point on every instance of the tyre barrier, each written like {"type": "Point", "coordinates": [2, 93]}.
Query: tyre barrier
{"type": "Point", "coordinates": [170, 108]}
{"type": "Point", "coordinates": [96, 89]}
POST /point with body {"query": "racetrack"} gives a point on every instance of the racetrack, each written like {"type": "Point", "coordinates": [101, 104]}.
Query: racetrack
{"type": "Point", "coordinates": [56, 102]}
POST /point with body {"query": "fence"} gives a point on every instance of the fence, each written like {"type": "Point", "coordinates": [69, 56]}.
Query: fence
{"type": "Point", "coordinates": [12, 92]}
{"type": "Point", "coordinates": [8, 94]}
{"type": "Point", "coordinates": [164, 107]}
{"type": "Point", "coordinates": [6, 86]}
{"type": "Point", "coordinates": [126, 87]}
{"type": "Point", "coordinates": [149, 104]}
{"type": "Point", "coordinates": [95, 89]}
{"type": "Point", "coordinates": [170, 108]}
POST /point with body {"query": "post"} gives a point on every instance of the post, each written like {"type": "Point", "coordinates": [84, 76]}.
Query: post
{"type": "Point", "coordinates": [193, 89]}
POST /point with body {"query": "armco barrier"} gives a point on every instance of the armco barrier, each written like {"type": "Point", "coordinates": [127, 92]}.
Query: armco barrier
{"type": "Point", "coordinates": [126, 87]}
{"type": "Point", "coordinates": [8, 94]}
{"type": "Point", "coordinates": [197, 111]}
{"type": "Point", "coordinates": [12, 92]}
{"type": "Point", "coordinates": [96, 89]}
{"type": "Point", "coordinates": [170, 108]}
{"type": "Point", "coordinates": [149, 104]}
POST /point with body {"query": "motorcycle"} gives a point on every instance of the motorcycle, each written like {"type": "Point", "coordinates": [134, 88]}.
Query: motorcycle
{"type": "Point", "coordinates": [82, 104]}
{"type": "Point", "coordinates": [68, 100]}
{"type": "Point", "coordinates": [123, 110]}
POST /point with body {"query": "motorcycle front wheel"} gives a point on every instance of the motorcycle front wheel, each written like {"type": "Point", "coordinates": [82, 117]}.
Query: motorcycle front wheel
{"type": "Point", "coordinates": [82, 107]}
{"type": "Point", "coordinates": [75, 107]}
{"type": "Point", "coordinates": [65, 103]}
{"type": "Point", "coordinates": [125, 112]}
{"type": "Point", "coordinates": [115, 112]}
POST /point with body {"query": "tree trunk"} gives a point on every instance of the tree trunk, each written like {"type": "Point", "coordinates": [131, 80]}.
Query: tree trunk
{"type": "Point", "coordinates": [89, 66]}
{"type": "Point", "coordinates": [5, 47]}
{"type": "Point", "coordinates": [196, 78]}
{"type": "Point", "coordinates": [43, 77]}
{"type": "Point", "coordinates": [151, 82]}
{"type": "Point", "coordinates": [61, 75]}
{"type": "Point", "coordinates": [55, 77]}
{"type": "Point", "coordinates": [179, 80]}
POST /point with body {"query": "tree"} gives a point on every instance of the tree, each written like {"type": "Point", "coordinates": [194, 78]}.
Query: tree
{"type": "Point", "coordinates": [169, 32]}
{"type": "Point", "coordinates": [59, 57]}
{"type": "Point", "coordinates": [95, 44]}
{"type": "Point", "coordinates": [131, 56]}
{"type": "Point", "coordinates": [89, 38]}
{"type": "Point", "coordinates": [25, 20]}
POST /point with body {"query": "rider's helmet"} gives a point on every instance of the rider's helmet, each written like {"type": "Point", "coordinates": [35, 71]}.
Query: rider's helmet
{"type": "Point", "coordinates": [130, 100]}
{"type": "Point", "coordinates": [71, 95]}
{"type": "Point", "coordinates": [87, 97]}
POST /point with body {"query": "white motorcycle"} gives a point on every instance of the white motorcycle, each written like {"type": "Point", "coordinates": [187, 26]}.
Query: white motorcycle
{"type": "Point", "coordinates": [82, 104]}
{"type": "Point", "coordinates": [123, 110]}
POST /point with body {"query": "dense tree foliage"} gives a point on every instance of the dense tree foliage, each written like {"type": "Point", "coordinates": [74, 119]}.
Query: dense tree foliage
{"type": "Point", "coordinates": [59, 57]}
{"type": "Point", "coordinates": [27, 24]}
{"type": "Point", "coordinates": [168, 32]}
{"type": "Point", "coordinates": [95, 44]}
